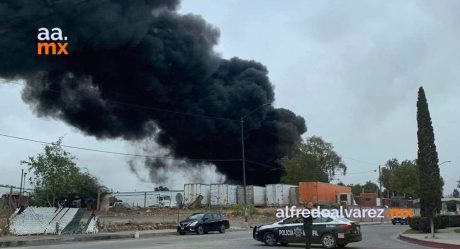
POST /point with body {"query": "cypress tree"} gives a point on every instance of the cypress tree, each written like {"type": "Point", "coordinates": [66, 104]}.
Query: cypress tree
{"type": "Point", "coordinates": [427, 163]}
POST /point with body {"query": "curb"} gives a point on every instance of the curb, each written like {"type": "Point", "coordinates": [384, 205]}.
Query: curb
{"type": "Point", "coordinates": [372, 224]}
{"type": "Point", "coordinates": [96, 237]}
{"type": "Point", "coordinates": [427, 243]}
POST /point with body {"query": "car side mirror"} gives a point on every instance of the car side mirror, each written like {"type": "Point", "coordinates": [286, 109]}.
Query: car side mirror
{"type": "Point", "coordinates": [204, 219]}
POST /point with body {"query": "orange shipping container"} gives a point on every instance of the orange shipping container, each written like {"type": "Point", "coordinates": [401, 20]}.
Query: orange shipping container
{"type": "Point", "coordinates": [320, 192]}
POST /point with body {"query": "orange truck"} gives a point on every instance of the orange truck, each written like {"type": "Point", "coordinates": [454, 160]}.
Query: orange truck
{"type": "Point", "coordinates": [322, 193]}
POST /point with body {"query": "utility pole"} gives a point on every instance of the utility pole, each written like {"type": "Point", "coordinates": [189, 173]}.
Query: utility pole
{"type": "Point", "coordinates": [243, 159]}
{"type": "Point", "coordinates": [380, 184]}
{"type": "Point", "coordinates": [20, 187]}
{"type": "Point", "coordinates": [244, 172]}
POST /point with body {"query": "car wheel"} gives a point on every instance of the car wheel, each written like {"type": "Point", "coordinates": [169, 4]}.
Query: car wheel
{"type": "Point", "coordinates": [222, 229]}
{"type": "Point", "coordinates": [269, 239]}
{"type": "Point", "coordinates": [200, 230]}
{"type": "Point", "coordinates": [342, 245]}
{"type": "Point", "coordinates": [394, 223]}
{"type": "Point", "coordinates": [328, 240]}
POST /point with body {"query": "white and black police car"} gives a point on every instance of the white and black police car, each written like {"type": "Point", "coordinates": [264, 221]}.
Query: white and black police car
{"type": "Point", "coordinates": [331, 232]}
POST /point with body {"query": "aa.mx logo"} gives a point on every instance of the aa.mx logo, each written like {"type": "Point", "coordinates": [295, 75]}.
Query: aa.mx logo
{"type": "Point", "coordinates": [51, 43]}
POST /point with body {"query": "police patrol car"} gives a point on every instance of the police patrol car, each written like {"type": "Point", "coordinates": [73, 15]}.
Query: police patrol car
{"type": "Point", "coordinates": [328, 231]}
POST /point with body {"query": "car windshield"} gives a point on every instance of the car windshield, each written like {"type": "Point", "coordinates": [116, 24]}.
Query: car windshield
{"type": "Point", "coordinates": [343, 219]}
{"type": "Point", "coordinates": [195, 216]}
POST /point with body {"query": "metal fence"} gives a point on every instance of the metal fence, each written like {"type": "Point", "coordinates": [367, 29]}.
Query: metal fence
{"type": "Point", "coordinates": [12, 197]}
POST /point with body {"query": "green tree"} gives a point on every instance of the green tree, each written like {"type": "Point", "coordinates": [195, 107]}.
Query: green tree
{"type": "Point", "coordinates": [400, 178]}
{"type": "Point", "coordinates": [387, 173]}
{"type": "Point", "coordinates": [370, 187]}
{"type": "Point", "coordinates": [456, 194]}
{"type": "Point", "coordinates": [89, 186]}
{"type": "Point", "coordinates": [427, 163]}
{"type": "Point", "coordinates": [161, 188]}
{"type": "Point", "coordinates": [312, 160]}
{"type": "Point", "coordinates": [356, 189]}
{"type": "Point", "coordinates": [405, 179]}
{"type": "Point", "coordinates": [56, 177]}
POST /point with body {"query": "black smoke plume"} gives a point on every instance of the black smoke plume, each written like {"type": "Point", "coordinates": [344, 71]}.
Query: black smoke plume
{"type": "Point", "coordinates": [131, 60]}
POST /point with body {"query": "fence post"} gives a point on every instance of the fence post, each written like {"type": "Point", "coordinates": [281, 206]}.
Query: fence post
{"type": "Point", "coordinates": [98, 203]}
{"type": "Point", "coordinates": [145, 199]}
{"type": "Point", "coordinates": [10, 204]}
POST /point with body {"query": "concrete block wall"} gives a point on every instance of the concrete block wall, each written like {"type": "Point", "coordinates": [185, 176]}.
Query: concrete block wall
{"type": "Point", "coordinates": [41, 220]}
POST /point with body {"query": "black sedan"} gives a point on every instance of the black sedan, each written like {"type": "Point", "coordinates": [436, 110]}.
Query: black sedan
{"type": "Point", "coordinates": [328, 231]}
{"type": "Point", "coordinates": [202, 223]}
{"type": "Point", "coordinates": [399, 220]}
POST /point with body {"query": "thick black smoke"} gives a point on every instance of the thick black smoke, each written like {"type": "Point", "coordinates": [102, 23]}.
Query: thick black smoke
{"type": "Point", "coordinates": [129, 59]}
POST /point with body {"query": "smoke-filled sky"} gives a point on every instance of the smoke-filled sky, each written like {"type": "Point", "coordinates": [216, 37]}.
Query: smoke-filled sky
{"type": "Point", "coordinates": [351, 69]}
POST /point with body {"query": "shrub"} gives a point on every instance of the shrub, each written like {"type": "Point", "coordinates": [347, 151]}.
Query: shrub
{"type": "Point", "coordinates": [454, 220]}
{"type": "Point", "coordinates": [423, 223]}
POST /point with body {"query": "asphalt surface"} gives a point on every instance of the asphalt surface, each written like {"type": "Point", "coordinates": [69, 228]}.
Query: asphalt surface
{"type": "Point", "coordinates": [374, 237]}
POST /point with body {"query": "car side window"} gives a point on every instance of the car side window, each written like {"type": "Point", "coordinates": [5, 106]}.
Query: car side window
{"type": "Point", "coordinates": [215, 216]}
{"type": "Point", "coordinates": [207, 216]}
{"type": "Point", "coordinates": [319, 219]}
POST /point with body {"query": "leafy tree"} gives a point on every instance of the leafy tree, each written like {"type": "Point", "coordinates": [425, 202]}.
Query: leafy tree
{"type": "Point", "coordinates": [89, 186]}
{"type": "Point", "coordinates": [356, 189]}
{"type": "Point", "coordinates": [312, 160]}
{"type": "Point", "coordinates": [427, 162]}
{"type": "Point", "coordinates": [370, 187]}
{"type": "Point", "coordinates": [57, 178]}
{"type": "Point", "coordinates": [456, 194]}
{"type": "Point", "coordinates": [400, 178]}
{"type": "Point", "coordinates": [405, 179]}
{"type": "Point", "coordinates": [161, 188]}
{"type": "Point", "coordinates": [387, 173]}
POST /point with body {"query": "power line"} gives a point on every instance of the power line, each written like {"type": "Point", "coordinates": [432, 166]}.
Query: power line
{"type": "Point", "coordinates": [361, 161]}
{"type": "Point", "coordinates": [152, 108]}
{"type": "Point", "coordinates": [120, 153]}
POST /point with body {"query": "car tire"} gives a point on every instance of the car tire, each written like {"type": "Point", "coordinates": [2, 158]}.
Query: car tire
{"type": "Point", "coordinates": [394, 223]}
{"type": "Point", "coordinates": [328, 240]}
{"type": "Point", "coordinates": [342, 245]}
{"type": "Point", "coordinates": [222, 228]}
{"type": "Point", "coordinates": [269, 239]}
{"type": "Point", "coordinates": [200, 230]}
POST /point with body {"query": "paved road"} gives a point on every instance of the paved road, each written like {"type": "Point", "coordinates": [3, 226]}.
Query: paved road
{"type": "Point", "coordinates": [374, 237]}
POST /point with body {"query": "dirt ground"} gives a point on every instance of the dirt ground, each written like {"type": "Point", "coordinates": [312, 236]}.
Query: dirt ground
{"type": "Point", "coordinates": [152, 219]}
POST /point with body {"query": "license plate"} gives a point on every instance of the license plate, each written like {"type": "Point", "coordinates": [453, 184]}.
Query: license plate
{"type": "Point", "coordinates": [182, 228]}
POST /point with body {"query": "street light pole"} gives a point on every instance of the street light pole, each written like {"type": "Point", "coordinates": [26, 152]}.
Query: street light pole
{"type": "Point", "coordinates": [444, 163]}
{"type": "Point", "coordinates": [243, 159]}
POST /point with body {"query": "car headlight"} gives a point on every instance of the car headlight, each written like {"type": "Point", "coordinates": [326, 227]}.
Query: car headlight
{"type": "Point", "coordinates": [193, 223]}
